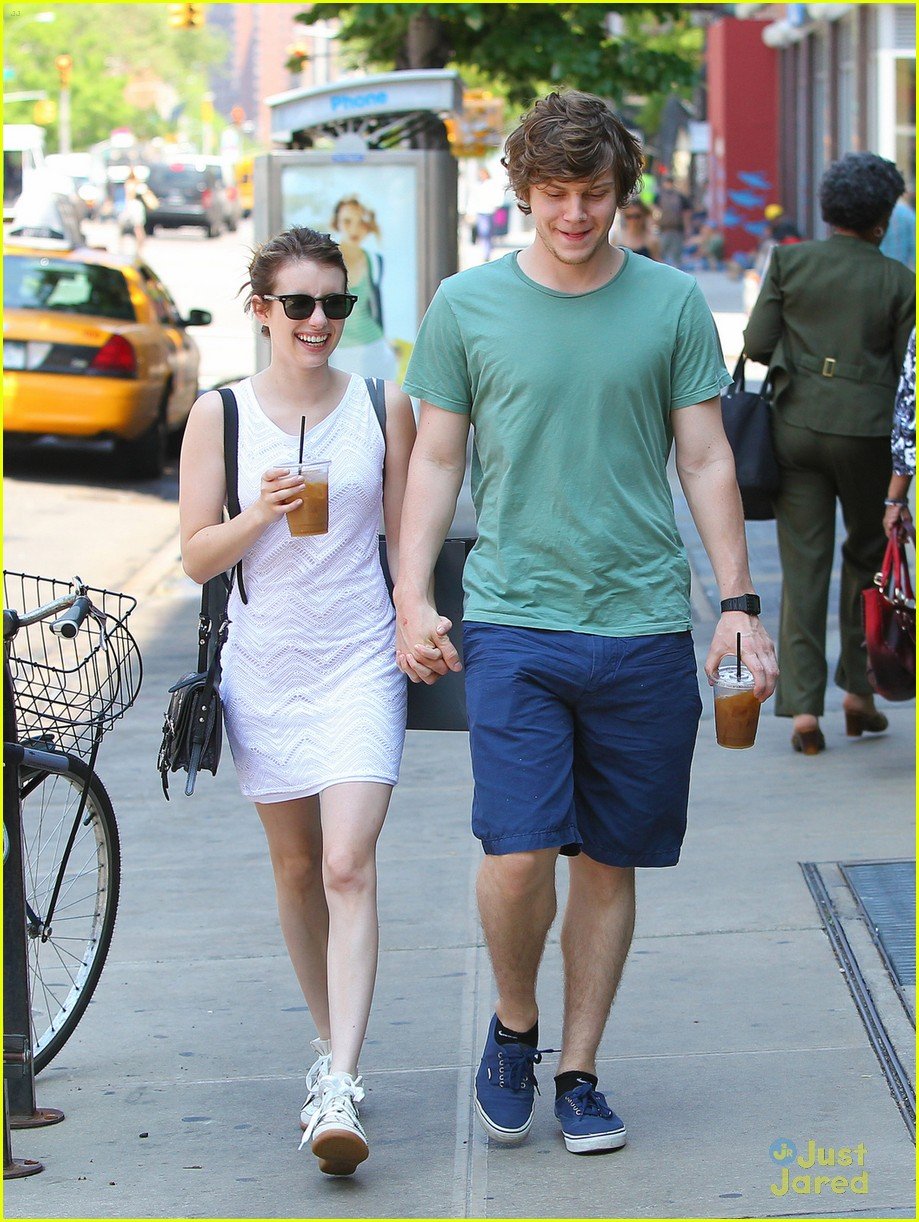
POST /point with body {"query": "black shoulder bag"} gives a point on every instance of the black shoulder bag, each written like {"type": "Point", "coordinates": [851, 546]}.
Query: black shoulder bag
{"type": "Point", "coordinates": [441, 705]}
{"type": "Point", "coordinates": [747, 417]}
{"type": "Point", "coordinates": [193, 727]}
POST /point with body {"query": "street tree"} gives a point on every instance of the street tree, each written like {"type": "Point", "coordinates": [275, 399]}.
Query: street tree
{"type": "Point", "coordinates": [617, 50]}
{"type": "Point", "coordinates": [124, 57]}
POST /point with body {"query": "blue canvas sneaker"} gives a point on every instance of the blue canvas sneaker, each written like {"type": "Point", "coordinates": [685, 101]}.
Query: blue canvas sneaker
{"type": "Point", "coordinates": [588, 1123]}
{"type": "Point", "coordinates": [504, 1086]}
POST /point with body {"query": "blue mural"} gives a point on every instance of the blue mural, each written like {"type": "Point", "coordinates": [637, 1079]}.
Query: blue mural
{"type": "Point", "coordinates": [747, 213]}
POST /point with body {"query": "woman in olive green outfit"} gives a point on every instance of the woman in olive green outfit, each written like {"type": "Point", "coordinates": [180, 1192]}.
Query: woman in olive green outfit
{"type": "Point", "coordinates": [832, 322]}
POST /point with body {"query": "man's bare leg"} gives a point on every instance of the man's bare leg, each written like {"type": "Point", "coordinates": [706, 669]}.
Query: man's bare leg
{"type": "Point", "coordinates": [596, 935]}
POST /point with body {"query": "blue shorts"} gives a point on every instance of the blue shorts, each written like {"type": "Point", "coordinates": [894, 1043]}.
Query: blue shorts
{"type": "Point", "coordinates": [581, 741]}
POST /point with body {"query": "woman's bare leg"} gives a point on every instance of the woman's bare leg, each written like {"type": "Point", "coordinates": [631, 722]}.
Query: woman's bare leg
{"type": "Point", "coordinates": [294, 837]}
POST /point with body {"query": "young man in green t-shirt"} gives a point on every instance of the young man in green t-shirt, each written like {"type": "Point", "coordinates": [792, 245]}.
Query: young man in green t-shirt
{"type": "Point", "coordinates": [580, 366]}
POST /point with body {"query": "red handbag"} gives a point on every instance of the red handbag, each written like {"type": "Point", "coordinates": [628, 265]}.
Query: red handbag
{"type": "Point", "coordinates": [889, 612]}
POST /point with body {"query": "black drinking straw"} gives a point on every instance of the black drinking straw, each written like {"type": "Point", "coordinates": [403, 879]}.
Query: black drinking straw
{"type": "Point", "coordinates": [738, 657]}
{"type": "Point", "coordinates": [303, 434]}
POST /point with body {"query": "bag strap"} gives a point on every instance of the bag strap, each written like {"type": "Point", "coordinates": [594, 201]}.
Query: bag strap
{"type": "Point", "coordinates": [231, 466]}
{"type": "Point", "coordinates": [377, 391]}
{"type": "Point", "coordinates": [894, 579]}
{"type": "Point", "coordinates": [739, 379]}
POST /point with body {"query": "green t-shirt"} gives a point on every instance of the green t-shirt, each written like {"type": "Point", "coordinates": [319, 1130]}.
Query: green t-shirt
{"type": "Point", "coordinates": [570, 398]}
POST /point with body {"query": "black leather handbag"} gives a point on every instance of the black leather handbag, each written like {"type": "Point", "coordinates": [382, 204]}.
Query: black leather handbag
{"type": "Point", "coordinates": [747, 423]}
{"type": "Point", "coordinates": [193, 725]}
{"type": "Point", "coordinates": [440, 705]}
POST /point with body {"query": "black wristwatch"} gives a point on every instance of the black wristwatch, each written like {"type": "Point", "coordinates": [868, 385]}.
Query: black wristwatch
{"type": "Point", "coordinates": [745, 602]}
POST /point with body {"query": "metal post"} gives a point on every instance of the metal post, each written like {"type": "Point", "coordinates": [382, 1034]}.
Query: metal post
{"type": "Point", "coordinates": [15, 1168]}
{"type": "Point", "coordinates": [19, 1075]}
{"type": "Point", "coordinates": [15, 1051]}
{"type": "Point", "coordinates": [63, 123]}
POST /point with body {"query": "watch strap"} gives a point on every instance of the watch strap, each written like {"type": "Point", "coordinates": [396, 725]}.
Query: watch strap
{"type": "Point", "coordinates": [748, 603]}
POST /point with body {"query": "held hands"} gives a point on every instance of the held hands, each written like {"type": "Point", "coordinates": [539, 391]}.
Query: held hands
{"type": "Point", "coordinates": [277, 485]}
{"type": "Point", "coordinates": [756, 649]}
{"type": "Point", "coordinates": [424, 651]}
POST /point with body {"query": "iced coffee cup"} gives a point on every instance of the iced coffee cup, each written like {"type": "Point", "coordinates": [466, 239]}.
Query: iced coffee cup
{"type": "Point", "coordinates": [312, 516]}
{"type": "Point", "coordinates": [736, 708]}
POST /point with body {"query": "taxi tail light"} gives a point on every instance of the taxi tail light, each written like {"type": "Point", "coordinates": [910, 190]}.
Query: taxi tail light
{"type": "Point", "coordinates": [231, 194]}
{"type": "Point", "coordinates": [115, 359]}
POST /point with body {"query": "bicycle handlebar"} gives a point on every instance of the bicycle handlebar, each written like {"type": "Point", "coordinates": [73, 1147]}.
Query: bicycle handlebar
{"type": "Point", "coordinates": [68, 625]}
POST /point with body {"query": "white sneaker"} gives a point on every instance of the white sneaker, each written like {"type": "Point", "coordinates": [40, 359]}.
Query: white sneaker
{"type": "Point", "coordinates": [316, 1072]}
{"type": "Point", "coordinates": [335, 1133]}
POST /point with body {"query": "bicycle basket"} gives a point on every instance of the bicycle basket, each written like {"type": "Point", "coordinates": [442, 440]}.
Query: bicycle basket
{"type": "Point", "coordinates": [70, 690]}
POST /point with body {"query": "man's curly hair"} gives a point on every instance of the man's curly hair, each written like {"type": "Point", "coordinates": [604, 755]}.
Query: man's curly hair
{"type": "Point", "coordinates": [567, 137]}
{"type": "Point", "coordinates": [859, 191]}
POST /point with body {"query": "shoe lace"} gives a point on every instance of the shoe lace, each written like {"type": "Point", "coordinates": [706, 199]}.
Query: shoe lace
{"type": "Point", "coordinates": [588, 1101]}
{"type": "Point", "coordinates": [340, 1094]}
{"type": "Point", "coordinates": [318, 1070]}
{"type": "Point", "coordinates": [515, 1065]}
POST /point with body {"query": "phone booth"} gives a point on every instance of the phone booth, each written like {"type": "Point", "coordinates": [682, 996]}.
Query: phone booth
{"type": "Point", "coordinates": [353, 168]}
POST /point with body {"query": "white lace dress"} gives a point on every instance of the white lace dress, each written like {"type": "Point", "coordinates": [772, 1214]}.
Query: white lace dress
{"type": "Point", "coordinates": [312, 693]}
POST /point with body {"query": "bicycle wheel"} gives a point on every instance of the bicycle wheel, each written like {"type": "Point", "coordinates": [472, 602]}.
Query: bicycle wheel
{"type": "Point", "coordinates": [64, 968]}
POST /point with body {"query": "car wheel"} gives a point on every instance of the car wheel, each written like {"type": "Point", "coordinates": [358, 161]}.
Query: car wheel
{"type": "Point", "coordinates": [144, 457]}
{"type": "Point", "coordinates": [148, 229]}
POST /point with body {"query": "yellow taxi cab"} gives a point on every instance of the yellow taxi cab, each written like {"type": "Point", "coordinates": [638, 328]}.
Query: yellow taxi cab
{"type": "Point", "coordinates": [245, 184]}
{"type": "Point", "coordinates": [94, 347]}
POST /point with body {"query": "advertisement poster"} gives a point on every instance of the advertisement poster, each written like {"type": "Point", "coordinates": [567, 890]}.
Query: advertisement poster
{"type": "Point", "coordinates": [371, 211]}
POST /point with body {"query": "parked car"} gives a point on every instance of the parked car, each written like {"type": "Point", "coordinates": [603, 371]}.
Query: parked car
{"type": "Point", "coordinates": [188, 193]}
{"type": "Point", "coordinates": [232, 207]}
{"type": "Point", "coordinates": [23, 155]}
{"type": "Point", "coordinates": [47, 210]}
{"type": "Point", "coordinates": [244, 173]}
{"type": "Point", "coordinates": [94, 347]}
{"type": "Point", "coordinates": [87, 175]}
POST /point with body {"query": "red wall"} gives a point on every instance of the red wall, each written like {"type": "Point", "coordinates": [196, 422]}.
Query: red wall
{"type": "Point", "coordinates": [743, 112]}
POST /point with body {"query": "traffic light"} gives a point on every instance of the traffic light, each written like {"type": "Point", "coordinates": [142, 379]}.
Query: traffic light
{"type": "Point", "coordinates": [64, 65]}
{"type": "Point", "coordinates": [186, 16]}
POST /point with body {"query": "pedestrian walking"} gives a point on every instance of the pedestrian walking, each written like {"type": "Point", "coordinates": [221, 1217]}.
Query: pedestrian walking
{"type": "Point", "coordinates": [899, 242]}
{"type": "Point", "coordinates": [314, 702]}
{"type": "Point", "coordinates": [674, 213]}
{"type": "Point", "coordinates": [579, 365]}
{"type": "Point", "coordinates": [832, 321]}
{"type": "Point", "coordinates": [635, 232]}
{"type": "Point", "coordinates": [903, 448]}
{"type": "Point", "coordinates": [133, 216]}
{"type": "Point", "coordinates": [485, 198]}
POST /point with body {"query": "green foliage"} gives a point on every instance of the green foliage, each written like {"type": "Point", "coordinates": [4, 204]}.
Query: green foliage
{"type": "Point", "coordinates": [525, 49]}
{"type": "Point", "coordinates": [110, 44]}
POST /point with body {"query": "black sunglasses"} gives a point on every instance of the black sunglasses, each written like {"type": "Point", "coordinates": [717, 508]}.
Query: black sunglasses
{"type": "Point", "coordinates": [301, 305]}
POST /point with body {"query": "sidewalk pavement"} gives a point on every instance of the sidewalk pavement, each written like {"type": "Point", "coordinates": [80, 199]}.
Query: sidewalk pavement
{"type": "Point", "coordinates": [734, 1029]}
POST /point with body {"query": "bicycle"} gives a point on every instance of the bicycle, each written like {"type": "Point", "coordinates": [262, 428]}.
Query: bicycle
{"type": "Point", "coordinates": [64, 685]}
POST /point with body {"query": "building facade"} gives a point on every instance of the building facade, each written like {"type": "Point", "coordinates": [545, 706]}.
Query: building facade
{"type": "Point", "coordinates": [264, 39]}
{"type": "Point", "coordinates": [847, 83]}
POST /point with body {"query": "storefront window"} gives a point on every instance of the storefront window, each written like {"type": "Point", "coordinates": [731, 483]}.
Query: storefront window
{"type": "Point", "coordinates": [906, 118]}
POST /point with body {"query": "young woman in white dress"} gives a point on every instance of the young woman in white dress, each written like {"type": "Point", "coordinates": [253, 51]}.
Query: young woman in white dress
{"type": "Point", "coordinates": [314, 701]}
